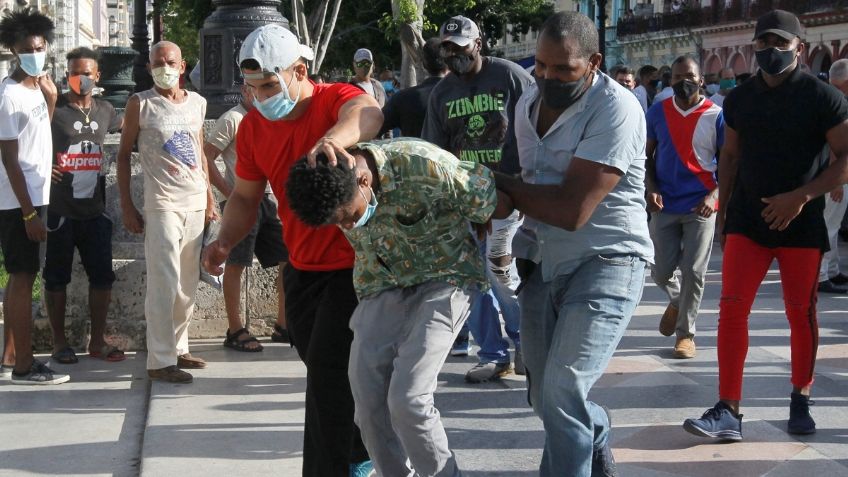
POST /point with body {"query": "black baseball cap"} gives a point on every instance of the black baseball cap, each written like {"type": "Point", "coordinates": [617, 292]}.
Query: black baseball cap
{"type": "Point", "coordinates": [459, 30]}
{"type": "Point", "coordinates": [780, 22]}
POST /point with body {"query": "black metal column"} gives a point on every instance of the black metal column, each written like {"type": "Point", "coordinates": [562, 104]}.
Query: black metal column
{"type": "Point", "coordinates": [220, 41]}
{"type": "Point", "coordinates": [140, 40]}
{"type": "Point", "coordinates": [602, 32]}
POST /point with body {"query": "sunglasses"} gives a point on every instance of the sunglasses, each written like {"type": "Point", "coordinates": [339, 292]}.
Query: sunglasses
{"type": "Point", "coordinates": [363, 64]}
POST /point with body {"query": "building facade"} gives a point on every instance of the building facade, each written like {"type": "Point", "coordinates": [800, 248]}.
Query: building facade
{"type": "Point", "coordinates": [720, 34]}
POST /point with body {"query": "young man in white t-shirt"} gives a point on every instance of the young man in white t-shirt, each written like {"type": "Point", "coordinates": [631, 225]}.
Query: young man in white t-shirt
{"type": "Point", "coordinates": [27, 100]}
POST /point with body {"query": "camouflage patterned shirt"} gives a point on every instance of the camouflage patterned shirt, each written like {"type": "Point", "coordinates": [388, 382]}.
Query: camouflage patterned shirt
{"type": "Point", "coordinates": [420, 230]}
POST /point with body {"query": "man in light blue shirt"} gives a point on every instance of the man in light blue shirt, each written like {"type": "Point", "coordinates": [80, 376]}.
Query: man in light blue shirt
{"type": "Point", "coordinates": [584, 242]}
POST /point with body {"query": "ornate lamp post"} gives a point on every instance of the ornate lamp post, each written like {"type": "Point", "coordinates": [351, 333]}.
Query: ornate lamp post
{"type": "Point", "coordinates": [602, 32]}
{"type": "Point", "coordinates": [220, 41]}
{"type": "Point", "coordinates": [140, 40]}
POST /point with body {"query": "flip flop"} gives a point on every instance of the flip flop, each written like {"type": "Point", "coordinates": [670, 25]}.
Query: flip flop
{"type": "Point", "coordinates": [65, 355]}
{"type": "Point", "coordinates": [108, 353]}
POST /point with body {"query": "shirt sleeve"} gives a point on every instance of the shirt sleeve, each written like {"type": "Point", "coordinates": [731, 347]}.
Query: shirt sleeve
{"type": "Point", "coordinates": [115, 119]}
{"type": "Point", "coordinates": [341, 94]}
{"type": "Point", "coordinates": [12, 119]}
{"type": "Point", "coordinates": [391, 118]}
{"type": "Point", "coordinates": [651, 119]}
{"type": "Point", "coordinates": [614, 136]}
{"type": "Point", "coordinates": [834, 108]}
{"type": "Point", "coordinates": [223, 133]}
{"type": "Point", "coordinates": [642, 96]}
{"type": "Point", "coordinates": [433, 130]}
{"type": "Point", "coordinates": [510, 163]}
{"type": "Point", "coordinates": [719, 131]}
{"type": "Point", "coordinates": [246, 167]}
{"type": "Point", "coordinates": [474, 188]}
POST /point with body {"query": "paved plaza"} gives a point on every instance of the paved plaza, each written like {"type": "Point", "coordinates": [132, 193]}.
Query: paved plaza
{"type": "Point", "coordinates": [243, 415]}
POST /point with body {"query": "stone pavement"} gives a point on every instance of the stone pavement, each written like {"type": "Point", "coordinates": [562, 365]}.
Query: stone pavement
{"type": "Point", "coordinates": [243, 415]}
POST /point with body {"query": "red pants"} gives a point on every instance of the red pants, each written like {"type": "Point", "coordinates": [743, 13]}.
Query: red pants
{"type": "Point", "coordinates": [743, 269]}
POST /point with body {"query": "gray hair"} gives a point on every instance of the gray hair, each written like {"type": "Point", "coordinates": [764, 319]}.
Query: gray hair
{"type": "Point", "coordinates": [839, 71]}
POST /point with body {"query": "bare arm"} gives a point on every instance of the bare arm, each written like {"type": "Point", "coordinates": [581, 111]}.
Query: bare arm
{"type": "Point", "coordinates": [129, 134]}
{"type": "Point", "coordinates": [568, 205]}
{"type": "Point", "coordinates": [34, 227]}
{"type": "Point", "coordinates": [211, 206]}
{"type": "Point", "coordinates": [50, 92]}
{"type": "Point", "coordinates": [727, 169]}
{"type": "Point", "coordinates": [783, 208]}
{"type": "Point", "coordinates": [239, 217]}
{"type": "Point", "coordinates": [652, 190]}
{"type": "Point", "coordinates": [215, 178]}
{"type": "Point", "coordinates": [359, 120]}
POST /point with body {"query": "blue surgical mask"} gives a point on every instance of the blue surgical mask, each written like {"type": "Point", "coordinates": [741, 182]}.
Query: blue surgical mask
{"type": "Point", "coordinates": [280, 105]}
{"type": "Point", "coordinates": [32, 63]}
{"type": "Point", "coordinates": [388, 86]}
{"type": "Point", "coordinates": [369, 209]}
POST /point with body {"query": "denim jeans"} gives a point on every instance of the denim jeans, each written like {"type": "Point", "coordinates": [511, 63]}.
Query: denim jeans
{"type": "Point", "coordinates": [571, 328]}
{"type": "Point", "coordinates": [484, 321]}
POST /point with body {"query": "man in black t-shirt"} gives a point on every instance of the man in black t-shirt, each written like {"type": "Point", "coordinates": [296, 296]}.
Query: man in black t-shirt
{"type": "Point", "coordinates": [770, 205]}
{"type": "Point", "coordinates": [471, 113]}
{"type": "Point", "coordinates": [75, 218]}
{"type": "Point", "coordinates": [408, 108]}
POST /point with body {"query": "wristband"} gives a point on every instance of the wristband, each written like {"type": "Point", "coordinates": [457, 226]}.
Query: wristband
{"type": "Point", "coordinates": [30, 216]}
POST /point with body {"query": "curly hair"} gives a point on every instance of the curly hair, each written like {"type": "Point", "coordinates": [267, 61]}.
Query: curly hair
{"type": "Point", "coordinates": [315, 194]}
{"type": "Point", "coordinates": [16, 27]}
{"type": "Point", "coordinates": [83, 53]}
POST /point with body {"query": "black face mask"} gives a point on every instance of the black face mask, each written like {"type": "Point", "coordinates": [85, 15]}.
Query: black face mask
{"type": "Point", "coordinates": [685, 89]}
{"type": "Point", "coordinates": [459, 64]}
{"type": "Point", "coordinates": [561, 94]}
{"type": "Point", "coordinates": [774, 61]}
{"type": "Point", "coordinates": [654, 83]}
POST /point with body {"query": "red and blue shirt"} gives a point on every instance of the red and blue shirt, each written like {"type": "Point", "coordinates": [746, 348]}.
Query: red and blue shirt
{"type": "Point", "coordinates": [687, 148]}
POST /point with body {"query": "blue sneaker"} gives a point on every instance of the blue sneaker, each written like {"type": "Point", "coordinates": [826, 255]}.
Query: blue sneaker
{"type": "Point", "coordinates": [461, 346]}
{"type": "Point", "coordinates": [718, 422]}
{"type": "Point", "coordinates": [361, 469]}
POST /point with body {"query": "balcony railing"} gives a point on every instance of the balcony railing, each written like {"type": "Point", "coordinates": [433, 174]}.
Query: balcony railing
{"type": "Point", "coordinates": [724, 12]}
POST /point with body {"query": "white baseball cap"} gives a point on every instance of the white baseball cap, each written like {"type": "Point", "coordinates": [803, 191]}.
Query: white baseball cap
{"type": "Point", "coordinates": [363, 54]}
{"type": "Point", "coordinates": [274, 47]}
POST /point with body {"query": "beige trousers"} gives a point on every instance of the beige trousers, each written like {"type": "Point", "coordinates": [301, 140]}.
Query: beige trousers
{"type": "Point", "coordinates": [172, 243]}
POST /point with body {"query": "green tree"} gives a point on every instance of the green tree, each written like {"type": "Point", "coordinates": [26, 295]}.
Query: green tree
{"type": "Point", "coordinates": [181, 24]}
{"type": "Point", "coordinates": [496, 18]}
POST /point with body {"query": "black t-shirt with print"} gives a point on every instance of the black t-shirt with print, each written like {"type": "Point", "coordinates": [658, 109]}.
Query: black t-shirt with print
{"type": "Point", "coordinates": [474, 119]}
{"type": "Point", "coordinates": [78, 137]}
{"type": "Point", "coordinates": [781, 134]}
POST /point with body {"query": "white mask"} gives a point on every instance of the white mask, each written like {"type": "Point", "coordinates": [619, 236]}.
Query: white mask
{"type": "Point", "coordinates": [166, 77]}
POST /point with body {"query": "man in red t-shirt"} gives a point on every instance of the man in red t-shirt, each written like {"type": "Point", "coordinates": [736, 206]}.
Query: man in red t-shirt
{"type": "Point", "coordinates": [295, 117]}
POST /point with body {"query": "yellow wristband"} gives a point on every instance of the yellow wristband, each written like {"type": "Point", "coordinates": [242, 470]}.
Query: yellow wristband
{"type": "Point", "coordinates": [30, 216]}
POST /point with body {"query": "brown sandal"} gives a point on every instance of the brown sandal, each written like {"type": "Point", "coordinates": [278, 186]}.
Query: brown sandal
{"type": "Point", "coordinates": [190, 362]}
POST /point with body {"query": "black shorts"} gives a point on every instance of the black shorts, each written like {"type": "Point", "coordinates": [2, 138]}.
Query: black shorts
{"type": "Point", "coordinates": [93, 239]}
{"type": "Point", "coordinates": [265, 239]}
{"type": "Point", "coordinates": [20, 254]}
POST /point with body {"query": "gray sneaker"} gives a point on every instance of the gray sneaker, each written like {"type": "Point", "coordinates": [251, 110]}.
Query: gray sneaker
{"type": "Point", "coordinates": [483, 372]}
{"type": "Point", "coordinates": [39, 374]}
{"type": "Point", "coordinates": [6, 371]}
{"type": "Point", "coordinates": [518, 365]}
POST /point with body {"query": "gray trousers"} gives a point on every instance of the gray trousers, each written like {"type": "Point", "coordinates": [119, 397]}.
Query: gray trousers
{"type": "Point", "coordinates": [682, 241]}
{"type": "Point", "coordinates": [401, 338]}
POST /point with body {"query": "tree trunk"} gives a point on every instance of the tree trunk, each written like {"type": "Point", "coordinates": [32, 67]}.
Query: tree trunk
{"type": "Point", "coordinates": [316, 29]}
{"type": "Point", "coordinates": [411, 42]}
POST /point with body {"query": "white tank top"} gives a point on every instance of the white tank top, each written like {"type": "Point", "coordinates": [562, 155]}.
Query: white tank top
{"type": "Point", "coordinates": [169, 145]}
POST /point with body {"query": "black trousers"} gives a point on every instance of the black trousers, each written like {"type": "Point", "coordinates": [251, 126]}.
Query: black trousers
{"type": "Point", "coordinates": [318, 309]}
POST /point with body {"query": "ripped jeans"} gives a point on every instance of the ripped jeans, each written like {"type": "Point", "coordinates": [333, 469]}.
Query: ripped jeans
{"type": "Point", "coordinates": [484, 321]}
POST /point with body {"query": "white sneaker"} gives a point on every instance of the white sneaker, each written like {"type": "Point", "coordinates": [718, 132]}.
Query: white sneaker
{"type": "Point", "coordinates": [39, 374]}
{"type": "Point", "coordinates": [5, 371]}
